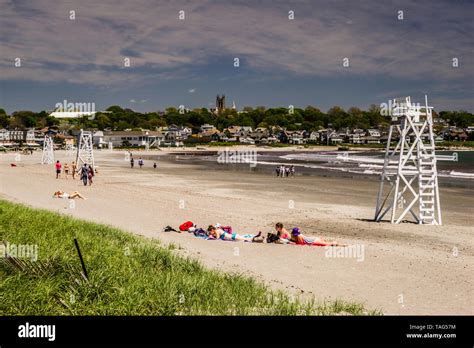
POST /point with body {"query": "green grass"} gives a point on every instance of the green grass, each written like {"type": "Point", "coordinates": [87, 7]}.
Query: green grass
{"type": "Point", "coordinates": [128, 275]}
{"type": "Point", "coordinates": [455, 144]}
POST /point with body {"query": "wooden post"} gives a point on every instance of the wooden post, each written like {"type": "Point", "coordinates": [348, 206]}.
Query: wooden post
{"type": "Point", "coordinates": [80, 257]}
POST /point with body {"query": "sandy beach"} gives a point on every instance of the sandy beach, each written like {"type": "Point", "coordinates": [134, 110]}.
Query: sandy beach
{"type": "Point", "coordinates": [404, 269]}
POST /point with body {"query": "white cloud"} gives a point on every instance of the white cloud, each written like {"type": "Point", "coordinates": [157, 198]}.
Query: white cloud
{"type": "Point", "coordinates": [91, 49]}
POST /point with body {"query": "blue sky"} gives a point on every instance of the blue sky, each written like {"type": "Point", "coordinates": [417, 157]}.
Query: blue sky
{"type": "Point", "coordinates": [282, 61]}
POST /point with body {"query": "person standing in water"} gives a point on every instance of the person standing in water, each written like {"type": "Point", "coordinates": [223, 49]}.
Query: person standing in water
{"type": "Point", "coordinates": [58, 169]}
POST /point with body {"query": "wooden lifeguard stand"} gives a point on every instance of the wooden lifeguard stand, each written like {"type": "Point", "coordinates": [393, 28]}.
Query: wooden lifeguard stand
{"type": "Point", "coordinates": [85, 151]}
{"type": "Point", "coordinates": [410, 166]}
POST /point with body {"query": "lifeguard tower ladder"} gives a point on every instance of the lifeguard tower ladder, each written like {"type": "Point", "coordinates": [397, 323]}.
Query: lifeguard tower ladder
{"type": "Point", "coordinates": [85, 151]}
{"type": "Point", "coordinates": [48, 150]}
{"type": "Point", "coordinates": [410, 166]}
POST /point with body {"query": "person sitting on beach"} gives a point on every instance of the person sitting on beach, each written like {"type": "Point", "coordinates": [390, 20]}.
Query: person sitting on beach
{"type": "Point", "coordinates": [298, 238]}
{"type": "Point", "coordinates": [219, 233]}
{"type": "Point", "coordinates": [65, 195]}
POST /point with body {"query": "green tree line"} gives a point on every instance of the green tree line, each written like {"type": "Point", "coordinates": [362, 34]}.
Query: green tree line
{"type": "Point", "coordinates": [310, 118]}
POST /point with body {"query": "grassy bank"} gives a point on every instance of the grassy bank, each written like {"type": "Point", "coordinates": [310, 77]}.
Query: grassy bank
{"type": "Point", "coordinates": [128, 275]}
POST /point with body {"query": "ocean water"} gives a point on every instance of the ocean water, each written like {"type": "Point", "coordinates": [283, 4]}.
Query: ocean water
{"type": "Point", "coordinates": [366, 164]}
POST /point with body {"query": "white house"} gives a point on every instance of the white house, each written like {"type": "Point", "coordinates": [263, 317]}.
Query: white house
{"type": "Point", "coordinates": [134, 138]}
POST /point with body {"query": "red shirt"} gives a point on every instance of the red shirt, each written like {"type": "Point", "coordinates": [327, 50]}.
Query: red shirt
{"type": "Point", "coordinates": [58, 165]}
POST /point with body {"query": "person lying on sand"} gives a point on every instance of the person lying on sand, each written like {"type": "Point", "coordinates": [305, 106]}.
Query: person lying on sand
{"type": "Point", "coordinates": [65, 195]}
{"type": "Point", "coordinates": [300, 239]}
{"type": "Point", "coordinates": [219, 233]}
{"type": "Point", "coordinates": [282, 233]}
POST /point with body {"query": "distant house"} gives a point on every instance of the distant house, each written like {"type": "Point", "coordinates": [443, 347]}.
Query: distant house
{"type": "Point", "coordinates": [371, 140]}
{"type": "Point", "coordinates": [247, 140]}
{"type": "Point", "coordinates": [336, 138]}
{"type": "Point", "coordinates": [218, 136]}
{"type": "Point", "coordinates": [232, 130]}
{"type": "Point", "coordinates": [98, 139]}
{"type": "Point", "coordinates": [176, 135]}
{"type": "Point", "coordinates": [296, 138]}
{"type": "Point", "coordinates": [72, 114]}
{"type": "Point", "coordinates": [283, 137]}
{"type": "Point", "coordinates": [258, 134]}
{"type": "Point", "coordinates": [373, 133]}
{"type": "Point", "coordinates": [14, 137]}
{"type": "Point", "coordinates": [356, 138]}
{"type": "Point", "coordinates": [244, 132]}
{"type": "Point", "coordinates": [315, 136]}
{"type": "Point", "coordinates": [133, 138]}
{"type": "Point", "coordinates": [206, 128]}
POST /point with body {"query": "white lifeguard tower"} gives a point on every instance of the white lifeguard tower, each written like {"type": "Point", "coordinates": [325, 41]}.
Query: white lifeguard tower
{"type": "Point", "coordinates": [48, 150]}
{"type": "Point", "coordinates": [85, 151]}
{"type": "Point", "coordinates": [410, 166]}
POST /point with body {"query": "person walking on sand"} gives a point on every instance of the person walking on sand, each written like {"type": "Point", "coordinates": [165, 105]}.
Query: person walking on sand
{"type": "Point", "coordinates": [90, 174]}
{"type": "Point", "coordinates": [66, 170]}
{"type": "Point", "coordinates": [132, 162]}
{"type": "Point", "coordinates": [140, 162]}
{"type": "Point", "coordinates": [292, 170]}
{"type": "Point", "coordinates": [58, 169]}
{"type": "Point", "coordinates": [277, 171]}
{"type": "Point", "coordinates": [84, 174]}
{"type": "Point", "coordinates": [73, 169]}
{"type": "Point", "coordinates": [154, 165]}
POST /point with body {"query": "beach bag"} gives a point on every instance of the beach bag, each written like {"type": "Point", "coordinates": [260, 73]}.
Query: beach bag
{"type": "Point", "coordinates": [186, 225]}
{"type": "Point", "coordinates": [199, 232]}
{"type": "Point", "coordinates": [272, 238]}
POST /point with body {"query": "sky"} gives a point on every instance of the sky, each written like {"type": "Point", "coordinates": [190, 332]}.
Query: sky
{"type": "Point", "coordinates": [78, 51]}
